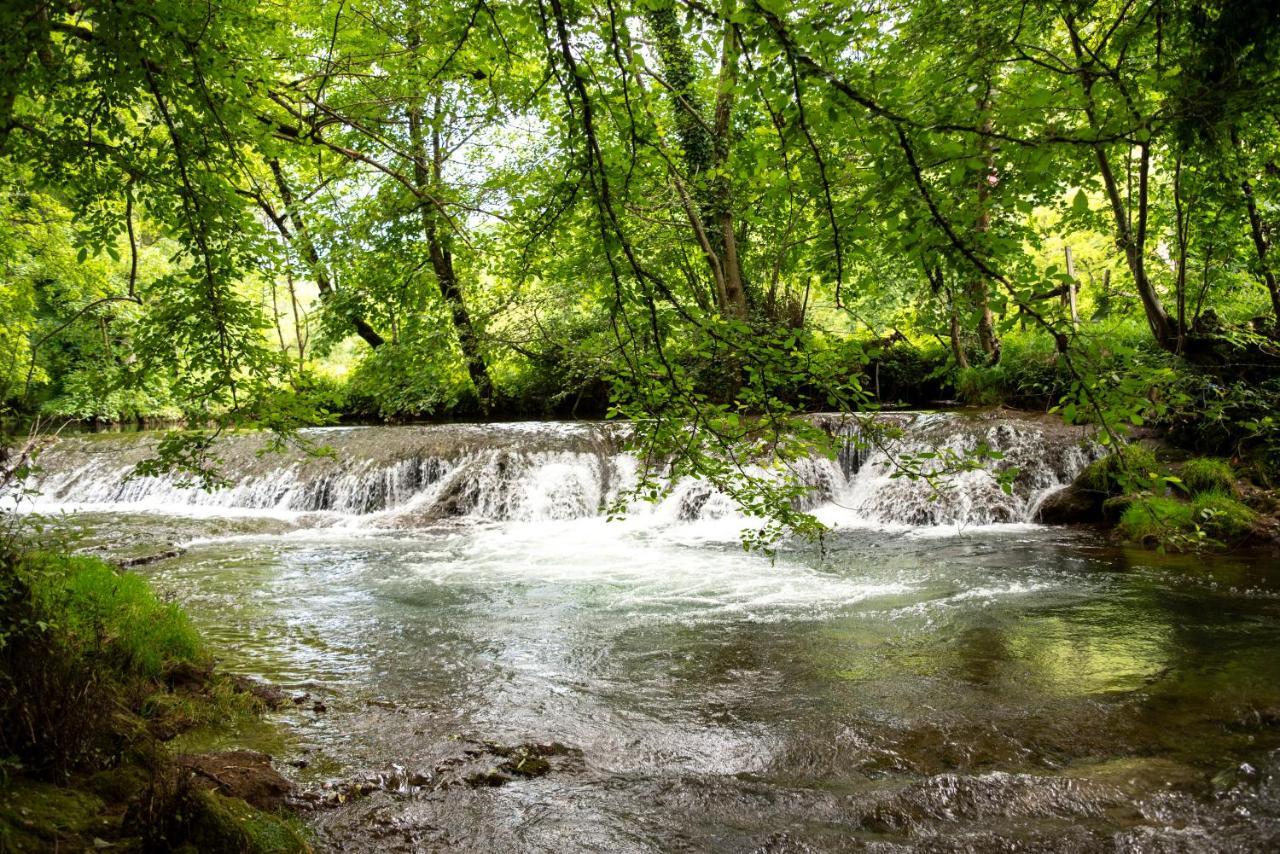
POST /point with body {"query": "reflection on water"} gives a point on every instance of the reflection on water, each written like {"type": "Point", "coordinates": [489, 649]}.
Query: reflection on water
{"type": "Point", "coordinates": [1006, 689]}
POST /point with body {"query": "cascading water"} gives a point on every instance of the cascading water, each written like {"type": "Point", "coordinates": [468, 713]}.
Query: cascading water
{"type": "Point", "coordinates": [405, 476]}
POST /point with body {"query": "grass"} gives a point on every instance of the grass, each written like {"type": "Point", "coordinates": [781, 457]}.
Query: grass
{"type": "Point", "coordinates": [105, 612]}
{"type": "Point", "coordinates": [96, 674]}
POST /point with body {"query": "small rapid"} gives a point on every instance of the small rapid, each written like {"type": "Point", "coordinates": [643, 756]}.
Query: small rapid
{"type": "Point", "coordinates": [401, 477]}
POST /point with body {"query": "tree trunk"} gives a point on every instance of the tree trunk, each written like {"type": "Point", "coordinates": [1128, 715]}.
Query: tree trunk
{"type": "Point", "coordinates": [1260, 245]}
{"type": "Point", "coordinates": [442, 256]}
{"type": "Point", "coordinates": [1130, 241]}
{"type": "Point", "coordinates": [302, 237]}
{"type": "Point", "coordinates": [705, 147]}
{"type": "Point", "coordinates": [987, 338]}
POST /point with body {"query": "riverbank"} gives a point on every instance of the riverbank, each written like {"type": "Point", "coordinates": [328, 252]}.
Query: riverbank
{"type": "Point", "coordinates": [99, 678]}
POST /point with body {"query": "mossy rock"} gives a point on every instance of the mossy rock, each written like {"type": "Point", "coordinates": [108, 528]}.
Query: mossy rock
{"type": "Point", "coordinates": [1205, 474]}
{"type": "Point", "coordinates": [1211, 518]}
{"type": "Point", "coordinates": [45, 817]}
{"type": "Point", "coordinates": [1116, 473]}
{"type": "Point", "coordinates": [1155, 521]}
{"type": "Point", "coordinates": [218, 824]}
{"type": "Point", "coordinates": [1114, 507]}
{"type": "Point", "coordinates": [1222, 516]}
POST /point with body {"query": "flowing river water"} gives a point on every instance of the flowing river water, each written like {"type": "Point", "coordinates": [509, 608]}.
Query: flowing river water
{"type": "Point", "coordinates": [490, 664]}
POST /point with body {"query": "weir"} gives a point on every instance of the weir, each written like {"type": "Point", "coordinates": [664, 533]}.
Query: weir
{"type": "Point", "coordinates": [403, 477]}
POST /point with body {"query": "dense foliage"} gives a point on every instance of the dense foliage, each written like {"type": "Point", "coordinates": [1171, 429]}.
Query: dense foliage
{"type": "Point", "coordinates": [701, 216]}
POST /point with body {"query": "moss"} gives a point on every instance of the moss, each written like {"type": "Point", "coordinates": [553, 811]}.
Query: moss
{"type": "Point", "coordinates": [1119, 471]}
{"type": "Point", "coordinates": [220, 824]}
{"type": "Point", "coordinates": [117, 785]}
{"type": "Point", "coordinates": [1210, 519]}
{"type": "Point", "coordinates": [1205, 474]}
{"type": "Point", "coordinates": [45, 817]}
{"type": "Point", "coordinates": [1222, 517]}
{"type": "Point", "coordinates": [1155, 521]}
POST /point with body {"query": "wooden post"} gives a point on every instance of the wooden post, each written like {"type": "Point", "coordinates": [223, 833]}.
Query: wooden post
{"type": "Point", "coordinates": [1069, 298]}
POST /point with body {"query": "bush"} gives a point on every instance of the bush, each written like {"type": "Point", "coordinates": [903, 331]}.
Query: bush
{"type": "Point", "coordinates": [1120, 471]}
{"type": "Point", "coordinates": [1030, 375]}
{"type": "Point", "coordinates": [983, 386]}
{"type": "Point", "coordinates": [1204, 474]}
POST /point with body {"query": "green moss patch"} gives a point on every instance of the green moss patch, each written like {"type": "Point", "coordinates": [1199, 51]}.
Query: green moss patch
{"type": "Point", "coordinates": [1222, 517]}
{"type": "Point", "coordinates": [1153, 521]}
{"type": "Point", "coordinates": [44, 817]}
{"type": "Point", "coordinates": [218, 824]}
{"type": "Point", "coordinates": [1211, 519]}
{"type": "Point", "coordinates": [1121, 471]}
{"type": "Point", "coordinates": [1205, 474]}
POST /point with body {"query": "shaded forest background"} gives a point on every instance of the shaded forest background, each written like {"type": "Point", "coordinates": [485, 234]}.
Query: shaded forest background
{"type": "Point", "coordinates": [250, 214]}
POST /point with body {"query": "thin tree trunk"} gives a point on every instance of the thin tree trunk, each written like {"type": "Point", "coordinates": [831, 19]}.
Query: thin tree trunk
{"type": "Point", "coordinates": [1260, 245]}
{"type": "Point", "coordinates": [302, 237]}
{"type": "Point", "coordinates": [1129, 241]}
{"type": "Point", "coordinates": [722, 188]}
{"type": "Point", "coordinates": [705, 147]}
{"type": "Point", "coordinates": [987, 338]}
{"type": "Point", "coordinates": [442, 257]}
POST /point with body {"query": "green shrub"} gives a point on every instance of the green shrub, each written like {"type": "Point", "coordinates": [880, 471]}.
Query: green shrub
{"type": "Point", "coordinates": [982, 386]}
{"type": "Point", "coordinates": [1120, 471]}
{"type": "Point", "coordinates": [1221, 516]}
{"type": "Point", "coordinates": [1155, 521]}
{"type": "Point", "coordinates": [1205, 474]}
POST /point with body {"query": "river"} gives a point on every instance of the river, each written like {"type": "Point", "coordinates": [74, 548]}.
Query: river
{"type": "Point", "coordinates": [486, 663]}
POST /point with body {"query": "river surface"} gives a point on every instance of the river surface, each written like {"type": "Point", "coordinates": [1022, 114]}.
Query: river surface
{"type": "Point", "coordinates": [514, 681]}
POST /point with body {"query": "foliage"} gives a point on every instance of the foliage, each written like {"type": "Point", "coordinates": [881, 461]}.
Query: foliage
{"type": "Point", "coordinates": [730, 211]}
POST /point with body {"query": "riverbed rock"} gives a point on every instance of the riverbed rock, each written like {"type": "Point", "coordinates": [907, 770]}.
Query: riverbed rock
{"type": "Point", "coordinates": [1074, 504]}
{"type": "Point", "coordinates": [244, 774]}
{"type": "Point", "coordinates": [271, 696]}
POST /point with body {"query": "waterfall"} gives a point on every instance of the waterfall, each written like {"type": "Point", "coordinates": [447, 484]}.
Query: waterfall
{"type": "Point", "coordinates": [408, 476]}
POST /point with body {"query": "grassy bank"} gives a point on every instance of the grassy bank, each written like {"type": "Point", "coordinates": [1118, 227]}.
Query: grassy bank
{"type": "Point", "coordinates": [97, 675]}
